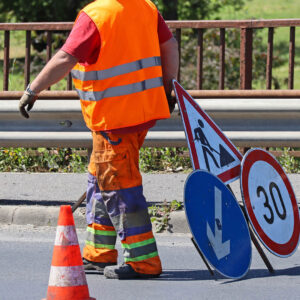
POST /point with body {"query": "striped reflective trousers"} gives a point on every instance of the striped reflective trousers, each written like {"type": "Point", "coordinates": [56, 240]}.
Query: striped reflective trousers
{"type": "Point", "coordinates": [118, 206]}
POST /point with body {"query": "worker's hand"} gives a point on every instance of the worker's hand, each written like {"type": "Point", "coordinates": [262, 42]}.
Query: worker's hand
{"type": "Point", "coordinates": [171, 102]}
{"type": "Point", "coordinates": [26, 102]}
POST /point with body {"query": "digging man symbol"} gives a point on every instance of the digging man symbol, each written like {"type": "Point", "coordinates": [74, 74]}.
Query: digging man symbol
{"type": "Point", "coordinates": [225, 157]}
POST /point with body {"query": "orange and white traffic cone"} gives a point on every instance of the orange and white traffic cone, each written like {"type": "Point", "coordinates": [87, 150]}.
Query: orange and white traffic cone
{"type": "Point", "coordinates": [67, 279]}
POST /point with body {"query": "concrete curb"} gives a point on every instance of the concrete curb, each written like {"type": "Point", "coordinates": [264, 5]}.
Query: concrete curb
{"type": "Point", "coordinates": [47, 216]}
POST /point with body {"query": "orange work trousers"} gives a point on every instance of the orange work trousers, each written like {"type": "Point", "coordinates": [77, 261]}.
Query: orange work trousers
{"type": "Point", "coordinates": [119, 206]}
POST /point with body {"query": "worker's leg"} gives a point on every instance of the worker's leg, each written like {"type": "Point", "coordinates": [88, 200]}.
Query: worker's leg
{"type": "Point", "coordinates": [99, 250]}
{"type": "Point", "coordinates": [120, 181]}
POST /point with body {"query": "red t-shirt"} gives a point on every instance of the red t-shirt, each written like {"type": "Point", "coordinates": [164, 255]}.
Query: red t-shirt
{"type": "Point", "coordinates": [84, 43]}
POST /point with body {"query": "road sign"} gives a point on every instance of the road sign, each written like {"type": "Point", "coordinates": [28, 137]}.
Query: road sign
{"type": "Point", "coordinates": [210, 149]}
{"type": "Point", "coordinates": [270, 202]}
{"type": "Point", "coordinates": [217, 223]}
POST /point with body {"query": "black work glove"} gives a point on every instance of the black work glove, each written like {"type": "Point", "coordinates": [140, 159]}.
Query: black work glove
{"type": "Point", "coordinates": [26, 101]}
{"type": "Point", "coordinates": [171, 102]}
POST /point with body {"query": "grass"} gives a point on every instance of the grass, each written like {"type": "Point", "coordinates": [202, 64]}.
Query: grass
{"type": "Point", "coordinates": [263, 9]}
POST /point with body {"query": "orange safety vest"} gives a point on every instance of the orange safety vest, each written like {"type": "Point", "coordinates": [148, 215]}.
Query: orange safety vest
{"type": "Point", "coordinates": [124, 87]}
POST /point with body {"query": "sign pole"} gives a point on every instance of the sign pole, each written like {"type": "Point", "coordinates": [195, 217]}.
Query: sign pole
{"type": "Point", "coordinates": [254, 240]}
{"type": "Point", "coordinates": [256, 243]}
{"type": "Point", "coordinates": [203, 258]}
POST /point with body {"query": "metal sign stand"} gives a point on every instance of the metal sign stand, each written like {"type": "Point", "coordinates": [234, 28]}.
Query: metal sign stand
{"type": "Point", "coordinates": [203, 257]}
{"type": "Point", "coordinates": [254, 240]}
{"type": "Point", "coordinates": [256, 243]}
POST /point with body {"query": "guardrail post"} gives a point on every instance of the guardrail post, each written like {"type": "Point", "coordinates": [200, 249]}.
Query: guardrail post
{"type": "Point", "coordinates": [6, 60]}
{"type": "Point", "coordinates": [246, 59]}
{"type": "Point", "coordinates": [49, 48]}
{"type": "Point", "coordinates": [269, 58]}
{"type": "Point", "coordinates": [291, 58]}
{"type": "Point", "coordinates": [222, 59]}
{"type": "Point", "coordinates": [27, 58]}
{"type": "Point", "coordinates": [178, 38]}
{"type": "Point", "coordinates": [200, 59]}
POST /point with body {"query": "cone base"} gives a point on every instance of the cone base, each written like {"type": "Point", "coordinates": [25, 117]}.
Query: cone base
{"type": "Point", "coordinates": [91, 298]}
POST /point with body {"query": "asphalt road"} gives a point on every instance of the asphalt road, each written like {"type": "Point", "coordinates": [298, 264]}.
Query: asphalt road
{"type": "Point", "coordinates": [26, 253]}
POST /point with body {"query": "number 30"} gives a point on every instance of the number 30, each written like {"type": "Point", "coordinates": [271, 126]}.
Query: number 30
{"type": "Point", "coordinates": [272, 186]}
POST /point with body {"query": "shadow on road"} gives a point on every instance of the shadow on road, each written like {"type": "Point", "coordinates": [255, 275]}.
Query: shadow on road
{"type": "Point", "coordinates": [190, 275]}
{"type": "Point", "coordinates": [261, 273]}
{"type": "Point", "coordinates": [185, 275]}
{"type": "Point", "coordinates": [36, 202]}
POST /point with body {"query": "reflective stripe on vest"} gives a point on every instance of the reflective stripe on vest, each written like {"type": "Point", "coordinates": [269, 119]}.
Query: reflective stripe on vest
{"type": "Point", "coordinates": [121, 90]}
{"type": "Point", "coordinates": [118, 70]}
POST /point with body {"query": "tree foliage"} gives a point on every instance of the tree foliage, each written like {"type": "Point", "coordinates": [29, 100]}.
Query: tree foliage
{"type": "Point", "coordinates": [194, 9]}
{"type": "Point", "coordinates": [40, 10]}
{"type": "Point", "coordinates": [58, 10]}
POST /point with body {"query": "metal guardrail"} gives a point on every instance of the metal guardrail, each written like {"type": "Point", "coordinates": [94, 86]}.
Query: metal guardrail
{"type": "Point", "coordinates": [247, 122]}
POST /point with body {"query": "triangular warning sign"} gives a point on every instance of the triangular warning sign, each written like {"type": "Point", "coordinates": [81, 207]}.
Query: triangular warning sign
{"type": "Point", "coordinates": [210, 149]}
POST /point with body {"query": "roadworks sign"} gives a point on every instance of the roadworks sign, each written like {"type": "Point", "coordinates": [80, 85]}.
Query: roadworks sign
{"type": "Point", "coordinates": [210, 149]}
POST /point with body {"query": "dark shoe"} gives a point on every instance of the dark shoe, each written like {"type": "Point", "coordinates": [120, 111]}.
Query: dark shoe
{"type": "Point", "coordinates": [125, 271]}
{"type": "Point", "coordinates": [91, 265]}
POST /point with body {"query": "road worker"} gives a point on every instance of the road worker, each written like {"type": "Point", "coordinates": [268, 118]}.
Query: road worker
{"type": "Point", "coordinates": [123, 59]}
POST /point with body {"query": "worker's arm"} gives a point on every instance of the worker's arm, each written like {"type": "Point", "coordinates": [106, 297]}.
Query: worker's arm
{"type": "Point", "coordinates": [170, 63]}
{"type": "Point", "coordinates": [56, 69]}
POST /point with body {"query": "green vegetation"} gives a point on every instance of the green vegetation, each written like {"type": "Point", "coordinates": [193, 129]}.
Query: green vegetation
{"type": "Point", "coordinates": [164, 159]}
{"type": "Point", "coordinates": [42, 160]}
{"type": "Point", "coordinates": [71, 160]}
{"type": "Point", "coordinates": [289, 163]}
{"type": "Point", "coordinates": [194, 9]}
{"type": "Point", "coordinates": [276, 9]}
{"type": "Point", "coordinates": [160, 214]}
{"type": "Point", "coordinates": [262, 9]}
{"type": "Point", "coordinates": [40, 10]}
{"type": "Point", "coordinates": [75, 160]}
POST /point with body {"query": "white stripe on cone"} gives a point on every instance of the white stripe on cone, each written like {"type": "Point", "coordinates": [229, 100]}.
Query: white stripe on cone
{"type": "Point", "coordinates": [67, 276]}
{"type": "Point", "coordinates": [66, 236]}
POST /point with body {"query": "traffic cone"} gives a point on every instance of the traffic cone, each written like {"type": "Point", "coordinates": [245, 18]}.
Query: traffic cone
{"type": "Point", "coordinates": [67, 279]}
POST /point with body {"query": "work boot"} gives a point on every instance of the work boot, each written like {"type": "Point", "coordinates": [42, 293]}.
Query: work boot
{"type": "Point", "coordinates": [125, 271]}
{"type": "Point", "coordinates": [92, 265]}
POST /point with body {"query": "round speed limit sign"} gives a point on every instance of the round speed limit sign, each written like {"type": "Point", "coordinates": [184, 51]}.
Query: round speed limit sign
{"type": "Point", "coordinates": [270, 202]}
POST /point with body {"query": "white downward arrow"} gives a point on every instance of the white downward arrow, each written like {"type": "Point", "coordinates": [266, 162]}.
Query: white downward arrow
{"type": "Point", "coordinates": [221, 249]}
